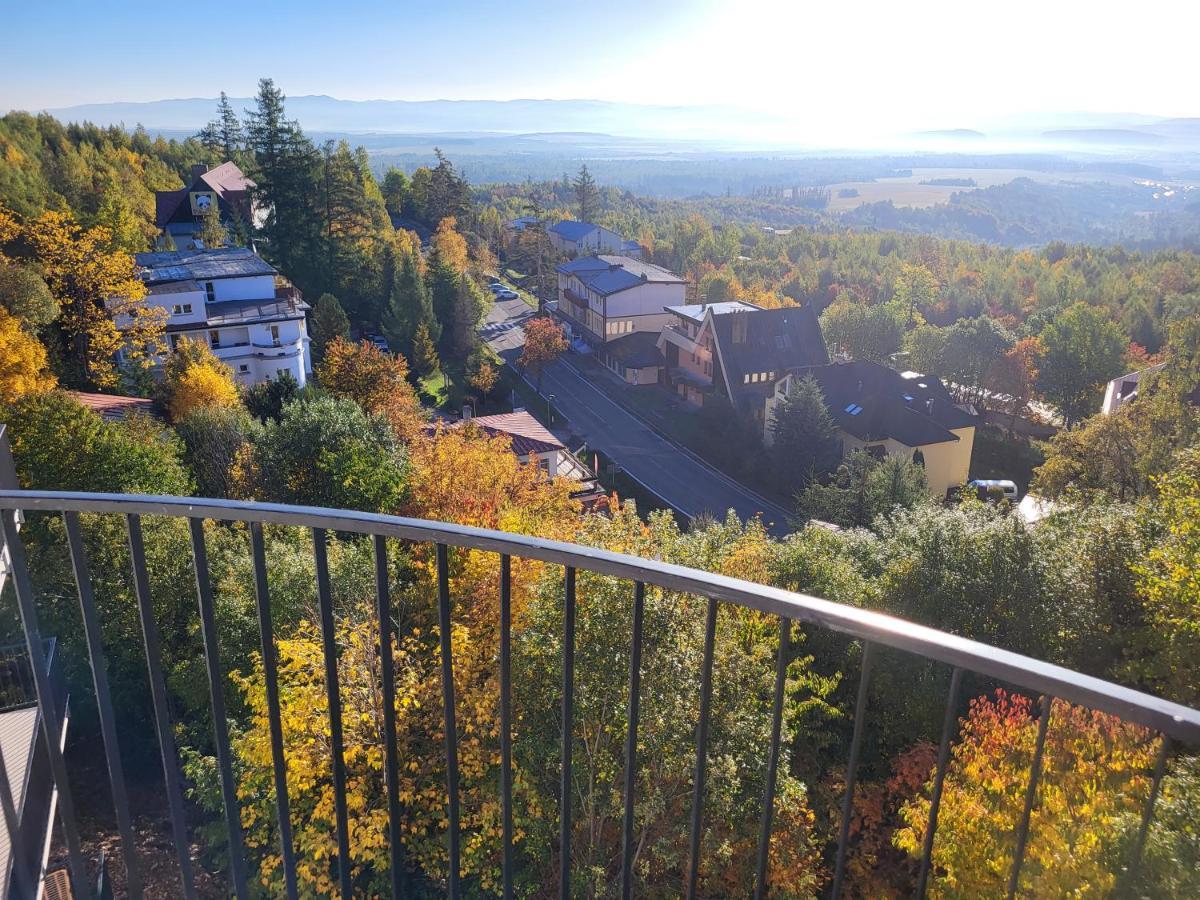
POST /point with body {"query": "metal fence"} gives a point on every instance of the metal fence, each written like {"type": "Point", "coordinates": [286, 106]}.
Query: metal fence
{"type": "Point", "coordinates": [1173, 722]}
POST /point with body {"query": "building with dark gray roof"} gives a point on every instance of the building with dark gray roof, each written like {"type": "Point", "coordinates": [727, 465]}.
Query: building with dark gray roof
{"type": "Point", "coordinates": [887, 413]}
{"type": "Point", "coordinates": [235, 302]}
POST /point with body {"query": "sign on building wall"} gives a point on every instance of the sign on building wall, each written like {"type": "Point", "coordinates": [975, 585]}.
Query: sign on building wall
{"type": "Point", "coordinates": [202, 201]}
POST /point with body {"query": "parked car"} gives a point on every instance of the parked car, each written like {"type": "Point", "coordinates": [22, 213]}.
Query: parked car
{"type": "Point", "coordinates": [506, 294]}
{"type": "Point", "coordinates": [497, 286]}
{"type": "Point", "coordinates": [380, 342]}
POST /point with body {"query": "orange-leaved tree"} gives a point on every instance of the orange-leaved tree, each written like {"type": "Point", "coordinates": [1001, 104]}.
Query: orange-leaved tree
{"type": "Point", "coordinates": [376, 381]}
{"type": "Point", "coordinates": [1095, 771]}
{"type": "Point", "coordinates": [544, 343]}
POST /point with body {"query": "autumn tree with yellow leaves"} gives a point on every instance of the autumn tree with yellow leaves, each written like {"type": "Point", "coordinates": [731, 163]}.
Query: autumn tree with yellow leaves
{"type": "Point", "coordinates": [1095, 773]}
{"type": "Point", "coordinates": [101, 299]}
{"type": "Point", "coordinates": [23, 368]}
{"type": "Point", "coordinates": [193, 378]}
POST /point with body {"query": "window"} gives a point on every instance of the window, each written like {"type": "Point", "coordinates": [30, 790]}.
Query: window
{"type": "Point", "coordinates": [210, 292]}
{"type": "Point", "coordinates": [174, 339]}
{"type": "Point", "coordinates": [746, 378]}
{"type": "Point", "coordinates": [620, 326]}
{"type": "Point", "coordinates": [275, 335]}
{"type": "Point", "coordinates": [854, 409]}
{"type": "Point", "coordinates": [181, 309]}
{"type": "Point", "coordinates": [243, 368]}
{"type": "Point", "coordinates": [214, 338]}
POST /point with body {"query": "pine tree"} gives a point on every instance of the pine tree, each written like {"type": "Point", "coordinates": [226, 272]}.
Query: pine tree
{"type": "Point", "coordinates": [586, 194]}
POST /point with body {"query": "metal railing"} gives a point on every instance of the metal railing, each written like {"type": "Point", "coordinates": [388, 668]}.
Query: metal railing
{"type": "Point", "coordinates": [1173, 722]}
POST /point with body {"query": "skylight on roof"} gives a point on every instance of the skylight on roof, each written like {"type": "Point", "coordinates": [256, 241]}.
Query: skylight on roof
{"type": "Point", "coordinates": [854, 409]}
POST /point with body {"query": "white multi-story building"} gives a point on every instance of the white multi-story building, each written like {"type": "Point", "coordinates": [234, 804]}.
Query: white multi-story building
{"type": "Point", "coordinates": [234, 302]}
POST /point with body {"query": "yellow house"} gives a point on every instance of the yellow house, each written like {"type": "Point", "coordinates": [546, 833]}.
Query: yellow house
{"type": "Point", "coordinates": [886, 413]}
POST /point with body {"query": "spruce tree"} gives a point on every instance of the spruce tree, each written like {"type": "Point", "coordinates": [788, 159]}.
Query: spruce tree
{"type": "Point", "coordinates": [409, 307]}
{"type": "Point", "coordinates": [424, 357]}
{"type": "Point", "coordinates": [286, 174]}
{"type": "Point", "coordinates": [329, 321]}
{"type": "Point", "coordinates": [806, 444]}
{"type": "Point", "coordinates": [587, 195]}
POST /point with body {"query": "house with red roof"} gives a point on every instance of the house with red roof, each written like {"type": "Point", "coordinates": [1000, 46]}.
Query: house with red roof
{"type": "Point", "coordinates": [180, 214]}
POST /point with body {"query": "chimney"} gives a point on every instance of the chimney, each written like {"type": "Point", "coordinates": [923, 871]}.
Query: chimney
{"type": "Point", "coordinates": [197, 171]}
{"type": "Point", "coordinates": [466, 412]}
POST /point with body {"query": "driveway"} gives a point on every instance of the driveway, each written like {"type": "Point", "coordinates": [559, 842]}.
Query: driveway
{"type": "Point", "coordinates": [679, 478]}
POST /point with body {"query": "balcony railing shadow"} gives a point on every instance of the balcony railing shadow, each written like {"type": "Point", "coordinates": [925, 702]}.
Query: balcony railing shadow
{"type": "Point", "coordinates": [1175, 724]}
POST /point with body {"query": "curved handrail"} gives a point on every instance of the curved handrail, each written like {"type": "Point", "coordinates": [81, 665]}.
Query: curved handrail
{"type": "Point", "coordinates": [1178, 721]}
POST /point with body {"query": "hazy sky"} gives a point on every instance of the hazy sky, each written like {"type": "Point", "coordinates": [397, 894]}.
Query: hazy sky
{"type": "Point", "coordinates": [843, 64]}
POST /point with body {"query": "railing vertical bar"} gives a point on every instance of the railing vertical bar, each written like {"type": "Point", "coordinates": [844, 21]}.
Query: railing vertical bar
{"type": "Point", "coordinates": [266, 633]}
{"type": "Point", "coordinates": [1160, 768]}
{"type": "Point", "coordinates": [333, 692]}
{"type": "Point", "coordinates": [764, 832]}
{"type": "Point", "coordinates": [1035, 772]}
{"type": "Point", "coordinates": [18, 884]}
{"type": "Point", "coordinates": [51, 715]}
{"type": "Point", "coordinates": [445, 626]}
{"type": "Point", "coordinates": [108, 723]}
{"type": "Point", "coordinates": [568, 729]}
{"type": "Point", "coordinates": [391, 753]}
{"type": "Point", "coordinates": [158, 695]}
{"type": "Point", "coordinates": [216, 690]}
{"type": "Point", "coordinates": [860, 715]}
{"type": "Point", "coordinates": [943, 760]}
{"type": "Point", "coordinates": [506, 719]}
{"type": "Point", "coordinates": [710, 636]}
{"type": "Point", "coordinates": [635, 700]}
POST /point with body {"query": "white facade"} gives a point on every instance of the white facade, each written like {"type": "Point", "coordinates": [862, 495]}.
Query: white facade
{"type": "Point", "coordinates": [596, 240]}
{"type": "Point", "coordinates": [228, 300]}
{"type": "Point", "coordinates": [1122, 390]}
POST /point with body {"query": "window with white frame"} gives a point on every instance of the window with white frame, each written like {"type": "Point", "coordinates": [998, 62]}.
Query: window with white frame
{"type": "Point", "coordinates": [181, 309]}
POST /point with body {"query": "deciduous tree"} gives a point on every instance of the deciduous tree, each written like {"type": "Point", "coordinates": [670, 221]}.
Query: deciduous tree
{"type": "Point", "coordinates": [376, 381]}
{"type": "Point", "coordinates": [193, 377]}
{"type": "Point", "coordinates": [23, 368]}
{"type": "Point", "coordinates": [544, 343]}
{"type": "Point", "coordinates": [1095, 772]}
{"type": "Point", "coordinates": [1083, 348]}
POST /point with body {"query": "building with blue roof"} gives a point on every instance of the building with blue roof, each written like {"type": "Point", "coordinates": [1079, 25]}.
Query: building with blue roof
{"type": "Point", "coordinates": [611, 304]}
{"type": "Point", "coordinates": [577, 238]}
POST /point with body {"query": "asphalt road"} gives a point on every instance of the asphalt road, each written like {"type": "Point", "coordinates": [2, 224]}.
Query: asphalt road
{"type": "Point", "coordinates": [679, 478]}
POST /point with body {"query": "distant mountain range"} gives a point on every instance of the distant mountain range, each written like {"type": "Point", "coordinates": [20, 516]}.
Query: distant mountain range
{"type": "Point", "coordinates": [580, 122]}
{"type": "Point", "coordinates": [329, 114]}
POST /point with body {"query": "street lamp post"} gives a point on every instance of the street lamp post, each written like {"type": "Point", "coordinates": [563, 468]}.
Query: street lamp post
{"type": "Point", "coordinates": [550, 409]}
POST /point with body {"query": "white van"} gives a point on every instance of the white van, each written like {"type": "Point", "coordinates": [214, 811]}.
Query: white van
{"type": "Point", "coordinates": [990, 486]}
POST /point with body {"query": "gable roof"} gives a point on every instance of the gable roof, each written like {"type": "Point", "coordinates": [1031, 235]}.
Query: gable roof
{"type": "Point", "coordinates": [570, 230]}
{"type": "Point", "coordinates": [228, 182]}
{"type": "Point", "coordinates": [760, 341]}
{"type": "Point", "coordinates": [873, 403]}
{"type": "Point", "coordinates": [200, 265]}
{"type": "Point", "coordinates": [637, 350]}
{"type": "Point", "coordinates": [528, 434]}
{"type": "Point", "coordinates": [696, 312]}
{"type": "Point", "coordinates": [227, 178]}
{"type": "Point", "coordinates": [112, 407]}
{"type": "Point", "coordinates": [609, 274]}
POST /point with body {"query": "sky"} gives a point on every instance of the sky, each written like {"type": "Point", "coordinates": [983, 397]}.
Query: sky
{"type": "Point", "coordinates": [845, 65]}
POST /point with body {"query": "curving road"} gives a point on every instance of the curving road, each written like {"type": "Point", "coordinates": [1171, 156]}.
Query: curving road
{"type": "Point", "coordinates": [674, 474]}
